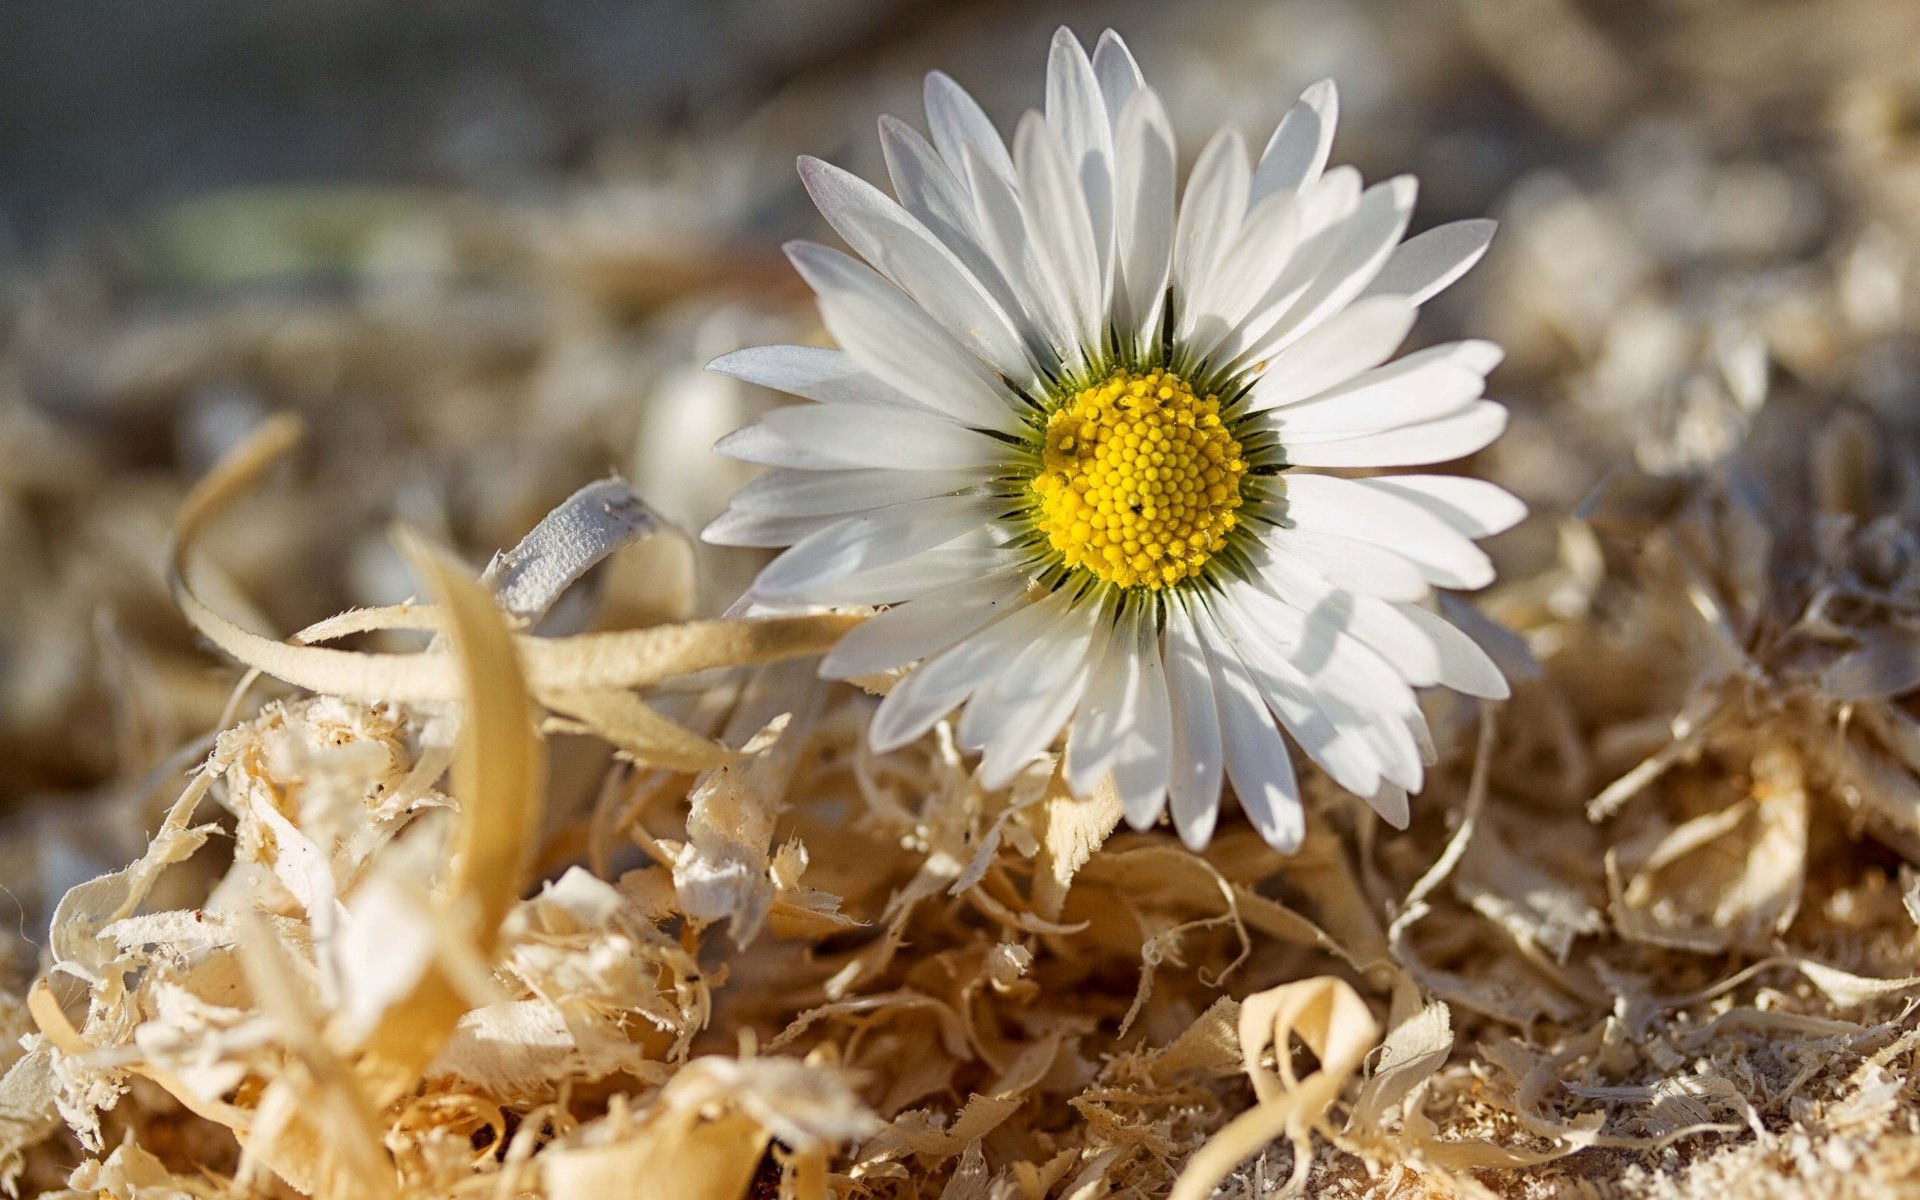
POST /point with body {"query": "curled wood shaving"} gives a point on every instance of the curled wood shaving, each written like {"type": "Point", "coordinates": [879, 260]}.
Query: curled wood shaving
{"type": "Point", "coordinates": [592, 661]}
{"type": "Point", "coordinates": [1335, 1025]}
{"type": "Point", "coordinates": [589, 525]}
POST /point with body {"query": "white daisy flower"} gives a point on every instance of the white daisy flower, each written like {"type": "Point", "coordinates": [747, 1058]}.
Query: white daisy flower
{"type": "Point", "coordinates": [1070, 439]}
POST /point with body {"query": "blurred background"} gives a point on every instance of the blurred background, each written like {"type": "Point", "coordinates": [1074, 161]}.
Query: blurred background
{"type": "Point", "coordinates": [116, 107]}
{"type": "Point", "coordinates": [485, 248]}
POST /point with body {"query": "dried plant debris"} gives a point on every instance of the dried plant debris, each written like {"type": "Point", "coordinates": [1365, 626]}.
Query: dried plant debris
{"type": "Point", "coordinates": [549, 880]}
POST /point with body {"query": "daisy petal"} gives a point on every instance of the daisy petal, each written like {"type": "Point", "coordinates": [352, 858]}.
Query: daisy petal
{"type": "Point", "coordinates": [956, 122]}
{"type": "Point", "coordinates": [1055, 205]}
{"type": "Point", "coordinates": [1101, 721]}
{"type": "Point", "coordinates": [1401, 643]}
{"type": "Point", "coordinates": [1472, 506]}
{"type": "Point", "coordinates": [1144, 216]}
{"type": "Point", "coordinates": [1349, 509]}
{"type": "Point", "coordinates": [1469, 357]}
{"type": "Point", "coordinates": [1016, 716]}
{"type": "Point", "coordinates": [817, 437]}
{"type": "Point", "coordinates": [811, 493]}
{"type": "Point", "coordinates": [1424, 736]}
{"type": "Point", "coordinates": [928, 625]}
{"type": "Point", "coordinates": [1359, 691]}
{"type": "Point", "coordinates": [1124, 726]}
{"type": "Point", "coordinates": [890, 336]}
{"type": "Point", "coordinates": [1365, 239]}
{"type": "Point", "coordinates": [1358, 339]}
{"type": "Point", "coordinates": [940, 200]}
{"type": "Point", "coordinates": [1383, 398]}
{"type": "Point", "coordinates": [1193, 785]}
{"type": "Point", "coordinates": [1464, 666]}
{"type": "Point", "coordinates": [737, 527]}
{"type": "Point", "coordinates": [1474, 354]}
{"type": "Point", "coordinates": [939, 686]}
{"type": "Point", "coordinates": [1380, 625]}
{"type": "Point", "coordinates": [1391, 803]}
{"type": "Point", "coordinates": [1508, 650]}
{"type": "Point", "coordinates": [872, 539]}
{"type": "Point", "coordinates": [1298, 150]}
{"type": "Point", "coordinates": [1342, 562]}
{"type": "Point", "coordinates": [926, 184]}
{"type": "Point", "coordinates": [1410, 445]}
{"type": "Point", "coordinates": [814, 373]}
{"type": "Point", "coordinates": [1256, 756]}
{"type": "Point", "coordinates": [1003, 226]}
{"type": "Point", "coordinates": [1326, 205]}
{"type": "Point", "coordinates": [918, 574]}
{"type": "Point", "coordinates": [1210, 213]}
{"type": "Point", "coordinates": [1424, 265]}
{"type": "Point", "coordinates": [1286, 692]}
{"type": "Point", "coordinates": [1117, 72]}
{"type": "Point", "coordinates": [1141, 765]}
{"type": "Point", "coordinates": [1246, 272]}
{"type": "Point", "coordinates": [1076, 110]}
{"type": "Point", "coordinates": [1327, 202]}
{"type": "Point", "coordinates": [916, 262]}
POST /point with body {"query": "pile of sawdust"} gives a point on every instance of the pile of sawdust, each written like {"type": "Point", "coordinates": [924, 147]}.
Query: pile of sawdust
{"type": "Point", "coordinates": [548, 886]}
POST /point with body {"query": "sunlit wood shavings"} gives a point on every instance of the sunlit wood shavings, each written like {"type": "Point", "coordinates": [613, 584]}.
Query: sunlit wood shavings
{"type": "Point", "coordinates": [1027, 870]}
{"type": "Point", "coordinates": [28, 1111]}
{"type": "Point", "coordinates": [1716, 318]}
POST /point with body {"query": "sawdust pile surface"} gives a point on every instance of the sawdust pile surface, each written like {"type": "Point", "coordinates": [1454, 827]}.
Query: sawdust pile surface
{"type": "Point", "coordinates": [545, 880]}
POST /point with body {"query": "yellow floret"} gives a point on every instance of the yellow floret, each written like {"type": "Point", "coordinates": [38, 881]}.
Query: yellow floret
{"type": "Point", "coordinates": [1140, 480]}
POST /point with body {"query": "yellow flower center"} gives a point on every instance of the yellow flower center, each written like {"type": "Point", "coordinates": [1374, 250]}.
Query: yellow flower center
{"type": "Point", "coordinates": [1140, 479]}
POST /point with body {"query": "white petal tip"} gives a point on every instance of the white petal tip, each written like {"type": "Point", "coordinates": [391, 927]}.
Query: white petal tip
{"type": "Point", "coordinates": [1196, 837]}
{"type": "Point", "coordinates": [1277, 816]}
{"type": "Point", "coordinates": [1140, 819]}
{"type": "Point", "coordinates": [1285, 841]}
{"type": "Point", "coordinates": [994, 778]}
{"type": "Point", "coordinates": [882, 741]}
{"type": "Point", "coordinates": [833, 665]}
{"type": "Point", "coordinates": [939, 82]}
{"type": "Point", "coordinates": [737, 441]}
{"type": "Point", "coordinates": [1480, 355]}
{"type": "Point", "coordinates": [1390, 801]}
{"type": "Point", "coordinates": [1080, 781]}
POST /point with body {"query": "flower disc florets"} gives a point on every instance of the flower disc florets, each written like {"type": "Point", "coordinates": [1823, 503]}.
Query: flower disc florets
{"type": "Point", "coordinates": [1140, 479]}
